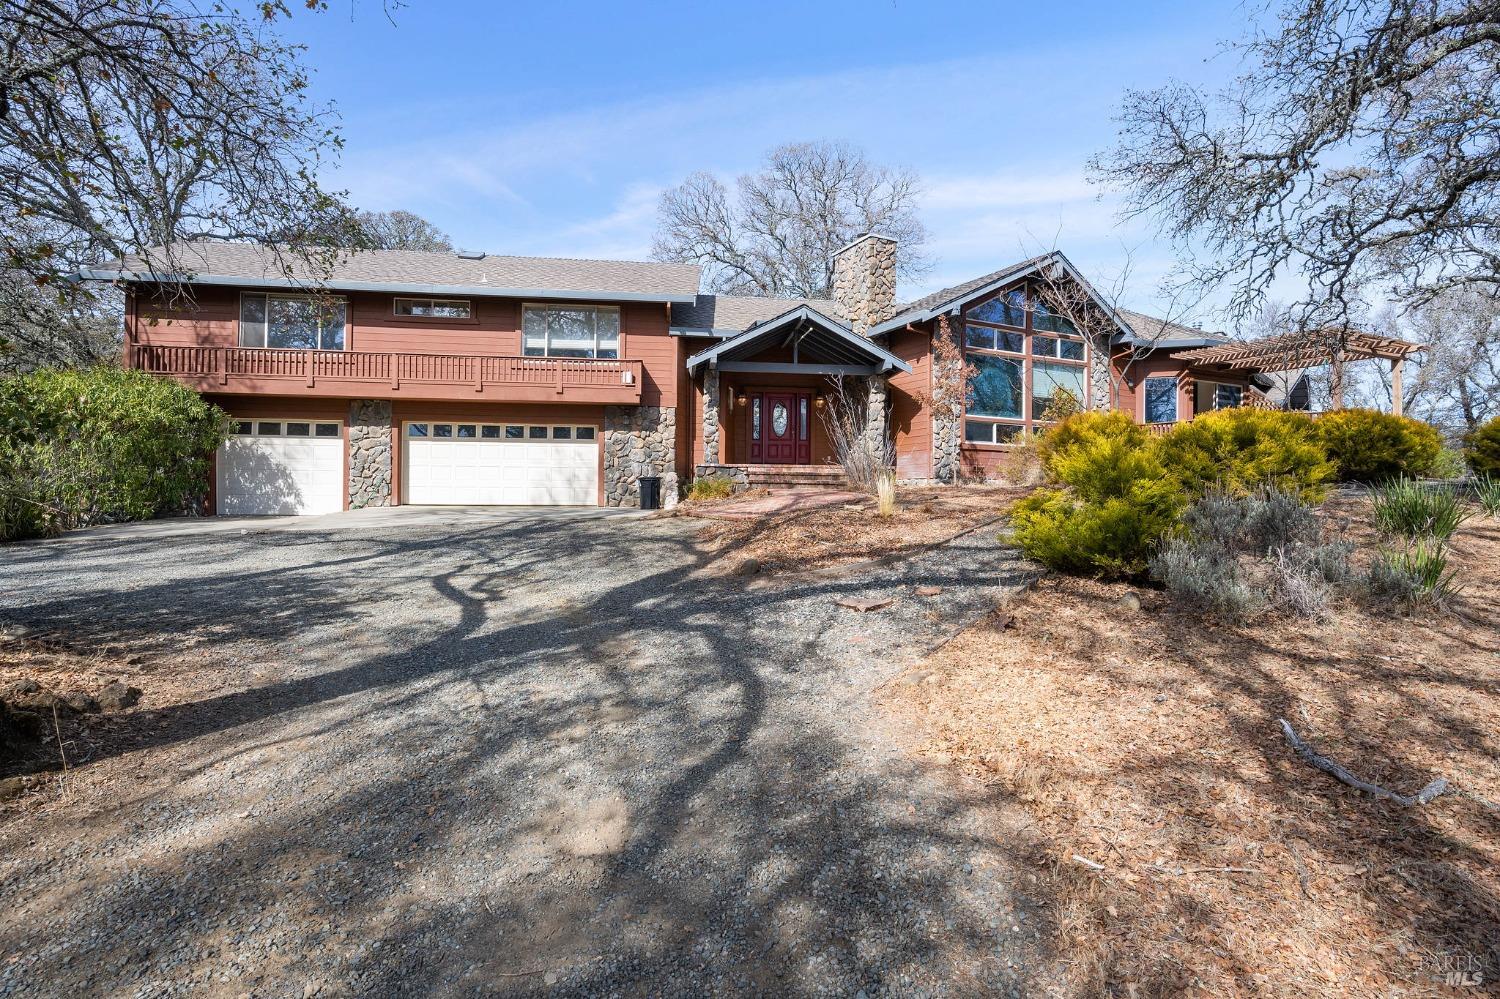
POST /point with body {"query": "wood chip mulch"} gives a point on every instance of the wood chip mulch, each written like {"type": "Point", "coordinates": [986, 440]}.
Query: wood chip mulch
{"type": "Point", "coordinates": [1181, 845]}
{"type": "Point", "coordinates": [846, 534]}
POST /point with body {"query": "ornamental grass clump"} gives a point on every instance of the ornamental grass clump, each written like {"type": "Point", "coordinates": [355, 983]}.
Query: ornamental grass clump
{"type": "Point", "coordinates": [1415, 574]}
{"type": "Point", "coordinates": [709, 488]}
{"type": "Point", "coordinates": [1411, 510]}
{"type": "Point", "coordinates": [1486, 489]}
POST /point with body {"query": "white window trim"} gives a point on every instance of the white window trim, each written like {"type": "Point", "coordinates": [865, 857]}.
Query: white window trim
{"type": "Point", "coordinates": [268, 295]}
{"type": "Point", "coordinates": [547, 351]}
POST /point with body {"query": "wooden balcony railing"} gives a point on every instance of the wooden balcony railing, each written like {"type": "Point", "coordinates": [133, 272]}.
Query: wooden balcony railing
{"type": "Point", "coordinates": [418, 376]}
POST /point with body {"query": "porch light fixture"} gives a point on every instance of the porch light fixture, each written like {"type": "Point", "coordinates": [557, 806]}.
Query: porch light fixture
{"type": "Point", "coordinates": [741, 399]}
{"type": "Point", "coordinates": [818, 401]}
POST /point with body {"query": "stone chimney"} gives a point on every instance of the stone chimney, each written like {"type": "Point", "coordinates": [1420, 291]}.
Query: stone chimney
{"type": "Point", "coordinates": [864, 281]}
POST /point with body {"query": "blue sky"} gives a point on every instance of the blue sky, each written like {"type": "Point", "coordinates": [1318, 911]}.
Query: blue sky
{"type": "Point", "coordinates": [551, 128]}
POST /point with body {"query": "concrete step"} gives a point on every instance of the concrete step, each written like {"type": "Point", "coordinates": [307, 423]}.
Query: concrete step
{"type": "Point", "coordinates": [812, 476]}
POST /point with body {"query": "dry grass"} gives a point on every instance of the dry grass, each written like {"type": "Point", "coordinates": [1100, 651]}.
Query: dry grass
{"type": "Point", "coordinates": [61, 666]}
{"type": "Point", "coordinates": [1147, 742]}
{"type": "Point", "coordinates": [856, 532]}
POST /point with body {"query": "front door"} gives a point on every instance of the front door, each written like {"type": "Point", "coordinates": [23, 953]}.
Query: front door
{"type": "Point", "coordinates": [780, 428]}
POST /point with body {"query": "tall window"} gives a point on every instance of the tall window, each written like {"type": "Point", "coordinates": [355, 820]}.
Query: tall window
{"type": "Point", "coordinates": [1022, 357]}
{"type": "Point", "coordinates": [571, 331]}
{"type": "Point", "coordinates": [1160, 395]}
{"type": "Point", "coordinates": [305, 322]}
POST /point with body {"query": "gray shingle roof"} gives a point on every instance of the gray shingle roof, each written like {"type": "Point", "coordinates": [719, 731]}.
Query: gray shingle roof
{"type": "Point", "coordinates": [411, 268]}
{"type": "Point", "coordinates": [958, 291]}
{"type": "Point", "coordinates": [740, 312]}
{"type": "Point", "coordinates": [1151, 328]}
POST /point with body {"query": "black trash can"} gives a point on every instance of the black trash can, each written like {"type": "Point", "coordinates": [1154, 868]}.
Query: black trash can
{"type": "Point", "coordinates": [651, 492]}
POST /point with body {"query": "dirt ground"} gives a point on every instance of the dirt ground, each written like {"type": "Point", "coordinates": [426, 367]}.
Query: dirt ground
{"type": "Point", "coordinates": [1188, 850]}
{"type": "Point", "coordinates": [827, 537]}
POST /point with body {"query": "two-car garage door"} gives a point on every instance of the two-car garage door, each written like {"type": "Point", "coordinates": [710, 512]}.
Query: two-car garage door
{"type": "Point", "coordinates": [297, 466]}
{"type": "Point", "coordinates": [501, 464]}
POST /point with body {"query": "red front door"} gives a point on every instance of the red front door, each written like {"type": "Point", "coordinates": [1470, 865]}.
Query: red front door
{"type": "Point", "coordinates": [781, 429]}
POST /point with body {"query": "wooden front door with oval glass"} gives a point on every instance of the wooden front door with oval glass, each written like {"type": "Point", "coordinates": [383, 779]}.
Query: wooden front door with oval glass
{"type": "Point", "coordinates": [781, 428]}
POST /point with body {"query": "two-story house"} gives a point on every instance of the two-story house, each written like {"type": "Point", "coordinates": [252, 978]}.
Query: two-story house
{"type": "Point", "coordinates": [466, 378]}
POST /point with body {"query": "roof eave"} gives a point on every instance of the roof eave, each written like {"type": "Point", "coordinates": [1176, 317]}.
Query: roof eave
{"type": "Point", "coordinates": [959, 301]}
{"type": "Point", "coordinates": [396, 287]}
{"type": "Point", "coordinates": [888, 361]}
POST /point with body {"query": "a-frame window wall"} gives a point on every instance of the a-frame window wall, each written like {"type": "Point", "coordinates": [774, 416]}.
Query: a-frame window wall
{"type": "Point", "coordinates": [1021, 355]}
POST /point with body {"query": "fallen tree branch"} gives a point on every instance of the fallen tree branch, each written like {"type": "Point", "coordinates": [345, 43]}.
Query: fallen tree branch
{"type": "Point", "coordinates": [1438, 786]}
{"type": "Point", "coordinates": [1203, 870]}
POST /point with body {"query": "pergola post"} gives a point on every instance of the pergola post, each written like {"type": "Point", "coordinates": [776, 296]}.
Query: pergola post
{"type": "Point", "coordinates": [1336, 377]}
{"type": "Point", "coordinates": [1396, 365]}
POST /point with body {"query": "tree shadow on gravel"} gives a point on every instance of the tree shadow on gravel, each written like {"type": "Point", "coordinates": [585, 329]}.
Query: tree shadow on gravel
{"type": "Point", "coordinates": [571, 768]}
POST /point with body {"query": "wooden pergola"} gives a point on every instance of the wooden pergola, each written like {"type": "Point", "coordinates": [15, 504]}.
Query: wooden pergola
{"type": "Point", "coordinates": [1310, 349]}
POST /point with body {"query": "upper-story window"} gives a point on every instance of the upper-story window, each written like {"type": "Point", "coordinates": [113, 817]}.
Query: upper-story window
{"type": "Point", "coordinates": [434, 308]}
{"type": "Point", "coordinates": [571, 331]}
{"type": "Point", "coordinates": [297, 321]}
{"type": "Point", "coordinates": [1022, 357]}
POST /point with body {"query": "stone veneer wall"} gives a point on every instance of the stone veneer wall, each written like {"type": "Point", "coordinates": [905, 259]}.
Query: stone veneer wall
{"type": "Point", "coordinates": [711, 416]}
{"type": "Point", "coordinates": [877, 434]}
{"type": "Point", "coordinates": [1101, 380]}
{"type": "Point", "coordinates": [864, 282]}
{"type": "Point", "coordinates": [369, 453]}
{"type": "Point", "coordinates": [639, 440]}
{"type": "Point", "coordinates": [738, 475]}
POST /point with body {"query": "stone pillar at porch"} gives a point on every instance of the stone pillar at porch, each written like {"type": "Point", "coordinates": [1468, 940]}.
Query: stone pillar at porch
{"type": "Point", "coordinates": [877, 433]}
{"type": "Point", "coordinates": [711, 416]}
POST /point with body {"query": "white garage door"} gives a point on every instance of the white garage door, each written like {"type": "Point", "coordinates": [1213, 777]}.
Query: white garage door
{"type": "Point", "coordinates": [282, 467]}
{"type": "Point", "coordinates": [501, 464]}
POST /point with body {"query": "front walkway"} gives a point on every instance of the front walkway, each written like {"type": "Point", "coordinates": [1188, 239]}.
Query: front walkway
{"type": "Point", "coordinates": [525, 755]}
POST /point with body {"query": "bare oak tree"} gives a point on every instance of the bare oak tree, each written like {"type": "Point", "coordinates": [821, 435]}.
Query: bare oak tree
{"type": "Point", "coordinates": [776, 235]}
{"type": "Point", "coordinates": [1360, 148]}
{"type": "Point", "coordinates": [128, 126]}
{"type": "Point", "coordinates": [399, 230]}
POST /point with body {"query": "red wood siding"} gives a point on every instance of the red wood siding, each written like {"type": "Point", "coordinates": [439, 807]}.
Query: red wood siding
{"type": "Point", "coordinates": [1128, 394]}
{"type": "Point", "coordinates": [911, 421]}
{"type": "Point", "coordinates": [212, 319]}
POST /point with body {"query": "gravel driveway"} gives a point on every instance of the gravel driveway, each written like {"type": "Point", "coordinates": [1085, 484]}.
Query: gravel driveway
{"type": "Point", "coordinates": [517, 754]}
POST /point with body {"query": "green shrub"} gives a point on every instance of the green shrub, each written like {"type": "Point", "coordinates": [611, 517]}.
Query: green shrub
{"type": "Point", "coordinates": [1367, 445]}
{"type": "Point", "coordinates": [710, 487]}
{"type": "Point", "coordinates": [1239, 451]}
{"type": "Point", "coordinates": [1450, 464]}
{"type": "Point", "coordinates": [1482, 448]}
{"type": "Point", "coordinates": [1113, 504]}
{"type": "Point", "coordinates": [98, 445]}
{"type": "Point", "coordinates": [1083, 427]}
{"type": "Point", "coordinates": [1409, 509]}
